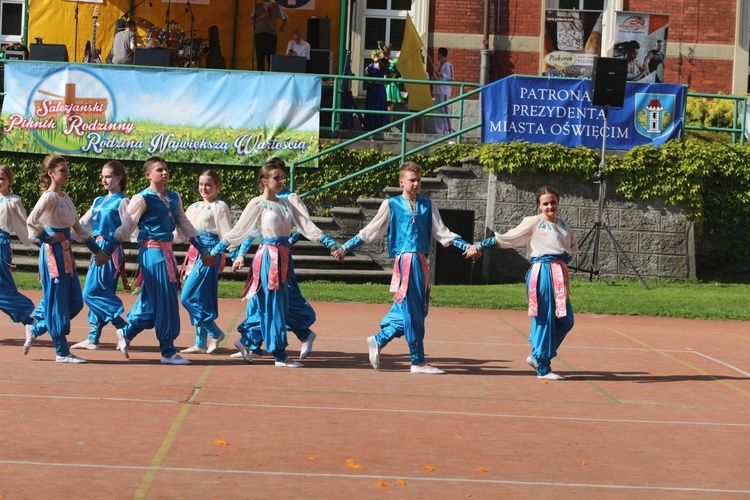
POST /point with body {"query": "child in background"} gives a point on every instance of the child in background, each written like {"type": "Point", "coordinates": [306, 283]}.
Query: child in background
{"type": "Point", "coordinates": [54, 221]}
{"type": "Point", "coordinates": [159, 212]}
{"type": "Point", "coordinates": [550, 244]}
{"type": "Point", "coordinates": [100, 287]}
{"type": "Point", "coordinates": [273, 217]}
{"type": "Point", "coordinates": [409, 221]}
{"type": "Point", "coordinates": [200, 292]}
{"type": "Point", "coordinates": [12, 218]}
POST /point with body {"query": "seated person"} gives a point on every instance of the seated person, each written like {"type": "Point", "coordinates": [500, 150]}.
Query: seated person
{"type": "Point", "coordinates": [297, 46]}
{"type": "Point", "coordinates": [123, 46]}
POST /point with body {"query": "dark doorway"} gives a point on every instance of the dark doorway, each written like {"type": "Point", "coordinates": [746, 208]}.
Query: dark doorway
{"type": "Point", "coordinates": [451, 268]}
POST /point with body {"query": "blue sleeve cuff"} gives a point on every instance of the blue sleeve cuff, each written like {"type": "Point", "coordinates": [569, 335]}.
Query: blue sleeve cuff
{"type": "Point", "coordinates": [488, 243]}
{"type": "Point", "coordinates": [460, 244]}
{"type": "Point", "coordinates": [218, 248]}
{"type": "Point", "coordinates": [354, 243]}
{"type": "Point", "coordinates": [294, 238]}
{"type": "Point", "coordinates": [109, 245]}
{"type": "Point", "coordinates": [198, 244]}
{"type": "Point", "coordinates": [92, 246]}
{"type": "Point", "coordinates": [329, 242]}
{"type": "Point", "coordinates": [245, 247]}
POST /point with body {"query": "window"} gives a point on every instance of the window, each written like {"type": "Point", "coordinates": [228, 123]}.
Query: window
{"type": "Point", "coordinates": [384, 21]}
{"type": "Point", "coordinates": [11, 21]}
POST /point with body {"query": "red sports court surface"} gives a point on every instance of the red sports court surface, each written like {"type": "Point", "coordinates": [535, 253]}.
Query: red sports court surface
{"type": "Point", "coordinates": [651, 408]}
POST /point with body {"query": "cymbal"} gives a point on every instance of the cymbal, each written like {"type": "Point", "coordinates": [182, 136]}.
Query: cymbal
{"type": "Point", "coordinates": [141, 22]}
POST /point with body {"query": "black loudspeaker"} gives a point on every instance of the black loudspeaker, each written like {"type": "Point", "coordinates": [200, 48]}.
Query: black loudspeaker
{"type": "Point", "coordinates": [608, 81]}
{"type": "Point", "coordinates": [152, 57]}
{"type": "Point", "coordinates": [288, 64]}
{"type": "Point", "coordinates": [48, 52]}
{"type": "Point", "coordinates": [319, 33]}
{"type": "Point", "coordinates": [319, 62]}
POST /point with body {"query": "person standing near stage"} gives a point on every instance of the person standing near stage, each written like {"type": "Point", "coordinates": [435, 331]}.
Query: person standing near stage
{"type": "Point", "coordinates": [200, 292]}
{"type": "Point", "coordinates": [123, 46]}
{"type": "Point", "coordinates": [409, 220]}
{"type": "Point", "coordinates": [158, 212]}
{"type": "Point", "coordinates": [550, 244]}
{"type": "Point", "coordinates": [54, 221]}
{"type": "Point", "coordinates": [274, 218]}
{"type": "Point", "coordinates": [265, 18]}
{"type": "Point", "coordinates": [100, 287]}
{"type": "Point", "coordinates": [442, 93]}
{"type": "Point", "coordinates": [12, 219]}
{"type": "Point", "coordinates": [297, 46]}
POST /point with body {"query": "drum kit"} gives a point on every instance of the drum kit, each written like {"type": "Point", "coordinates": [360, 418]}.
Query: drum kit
{"type": "Point", "coordinates": [187, 52]}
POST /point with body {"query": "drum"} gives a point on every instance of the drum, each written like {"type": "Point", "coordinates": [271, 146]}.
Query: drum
{"type": "Point", "coordinates": [155, 36]}
{"type": "Point", "coordinates": [174, 38]}
{"type": "Point", "coordinates": [191, 46]}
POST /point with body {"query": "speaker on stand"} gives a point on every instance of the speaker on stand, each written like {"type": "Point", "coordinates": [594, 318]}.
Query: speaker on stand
{"type": "Point", "coordinates": [319, 33]}
{"type": "Point", "coordinates": [608, 83]}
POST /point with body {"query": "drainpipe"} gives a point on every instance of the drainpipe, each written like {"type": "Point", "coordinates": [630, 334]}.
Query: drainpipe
{"type": "Point", "coordinates": [489, 209]}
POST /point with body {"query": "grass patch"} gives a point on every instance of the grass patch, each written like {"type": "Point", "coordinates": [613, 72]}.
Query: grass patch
{"type": "Point", "coordinates": [665, 298]}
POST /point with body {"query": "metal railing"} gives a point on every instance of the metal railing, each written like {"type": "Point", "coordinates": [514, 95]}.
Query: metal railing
{"type": "Point", "coordinates": [738, 127]}
{"type": "Point", "coordinates": [338, 113]}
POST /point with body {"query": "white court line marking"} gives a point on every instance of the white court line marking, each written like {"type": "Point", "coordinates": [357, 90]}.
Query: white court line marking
{"type": "Point", "coordinates": [720, 362]}
{"type": "Point", "coordinates": [390, 410]}
{"type": "Point", "coordinates": [371, 476]}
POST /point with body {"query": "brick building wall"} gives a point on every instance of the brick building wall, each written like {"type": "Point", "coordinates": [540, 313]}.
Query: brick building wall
{"type": "Point", "coordinates": [692, 22]}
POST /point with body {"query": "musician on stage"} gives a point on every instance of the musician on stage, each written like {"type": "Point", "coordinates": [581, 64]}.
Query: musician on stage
{"type": "Point", "coordinates": [265, 17]}
{"type": "Point", "coordinates": [123, 46]}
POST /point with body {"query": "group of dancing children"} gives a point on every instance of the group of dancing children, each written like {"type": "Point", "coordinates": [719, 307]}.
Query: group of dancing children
{"type": "Point", "coordinates": [274, 301]}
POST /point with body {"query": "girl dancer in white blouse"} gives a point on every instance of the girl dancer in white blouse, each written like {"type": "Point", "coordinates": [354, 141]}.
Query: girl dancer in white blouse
{"type": "Point", "coordinates": [274, 217]}
{"type": "Point", "coordinates": [12, 218]}
{"type": "Point", "coordinates": [200, 291]}
{"type": "Point", "coordinates": [54, 221]}
{"type": "Point", "coordinates": [550, 244]}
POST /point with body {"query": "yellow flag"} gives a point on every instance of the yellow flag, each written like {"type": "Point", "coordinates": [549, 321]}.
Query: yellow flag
{"type": "Point", "coordinates": [411, 65]}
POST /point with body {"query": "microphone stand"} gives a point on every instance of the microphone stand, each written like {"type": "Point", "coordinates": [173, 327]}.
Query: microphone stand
{"type": "Point", "coordinates": [192, 35]}
{"type": "Point", "coordinates": [127, 14]}
{"type": "Point", "coordinates": [75, 44]}
{"type": "Point", "coordinates": [166, 23]}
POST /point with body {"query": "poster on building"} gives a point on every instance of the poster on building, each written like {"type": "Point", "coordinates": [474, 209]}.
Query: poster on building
{"type": "Point", "coordinates": [559, 111]}
{"type": "Point", "coordinates": [116, 112]}
{"type": "Point", "coordinates": [642, 40]}
{"type": "Point", "coordinates": [572, 39]}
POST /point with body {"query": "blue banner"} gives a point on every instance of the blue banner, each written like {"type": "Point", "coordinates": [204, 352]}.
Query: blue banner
{"type": "Point", "coordinates": [559, 110]}
{"type": "Point", "coordinates": [191, 116]}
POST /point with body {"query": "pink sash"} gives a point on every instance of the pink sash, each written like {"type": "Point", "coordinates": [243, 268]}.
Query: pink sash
{"type": "Point", "coordinates": [400, 279]}
{"type": "Point", "coordinates": [274, 253]}
{"type": "Point", "coordinates": [68, 261]}
{"type": "Point", "coordinates": [559, 272]}
{"type": "Point", "coordinates": [192, 256]}
{"type": "Point", "coordinates": [166, 249]}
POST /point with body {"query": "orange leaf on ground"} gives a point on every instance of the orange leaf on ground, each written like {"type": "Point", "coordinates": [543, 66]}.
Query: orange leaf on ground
{"type": "Point", "coordinates": [583, 462]}
{"type": "Point", "coordinates": [400, 481]}
{"type": "Point", "coordinates": [221, 442]}
{"type": "Point", "coordinates": [534, 414]}
{"type": "Point", "coordinates": [312, 457]}
{"type": "Point", "coordinates": [350, 463]}
{"type": "Point", "coordinates": [381, 483]}
{"type": "Point", "coordinates": [481, 469]}
{"type": "Point", "coordinates": [429, 468]}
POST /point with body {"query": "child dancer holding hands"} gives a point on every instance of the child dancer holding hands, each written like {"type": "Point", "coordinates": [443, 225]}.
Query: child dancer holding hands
{"type": "Point", "coordinates": [274, 217]}
{"type": "Point", "coordinates": [550, 244]}
{"type": "Point", "coordinates": [54, 221]}
{"type": "Point", "coordinates": [200, 292]}
{"type": "Point", "coordinates": [100, 288]}
{"type": "Point", "coordinates": [409, 220]}
{"type": "Point", "coordinates": [12, 218]}
{"type": "Point", "coordinates": [159, 212]}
